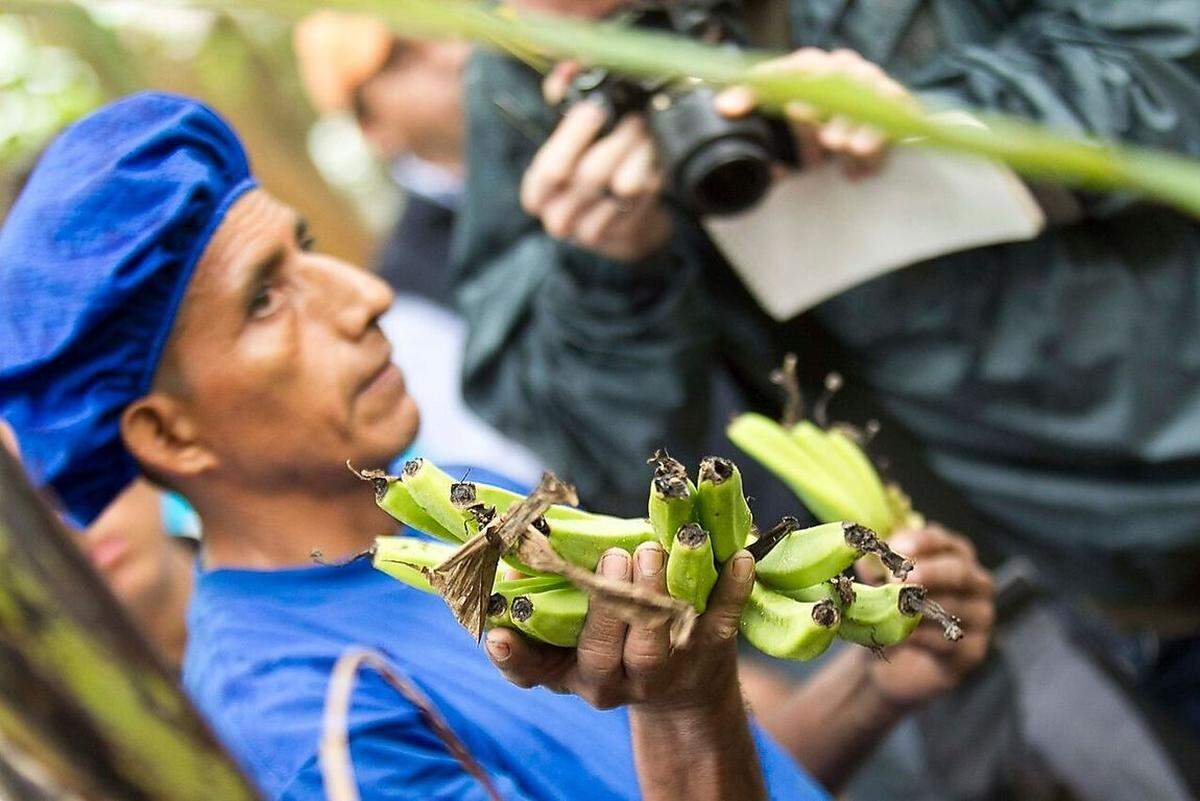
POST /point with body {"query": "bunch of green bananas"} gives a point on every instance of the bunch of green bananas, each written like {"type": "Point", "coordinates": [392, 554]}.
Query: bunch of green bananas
{"type": "Point", "coordinates": [794, 612]}
{"type": "Point", "coordinates": [827, 469]}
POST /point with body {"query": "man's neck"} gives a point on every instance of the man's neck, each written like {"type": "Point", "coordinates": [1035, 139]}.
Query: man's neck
{"type": "Point", "coordinates": [284, 527]}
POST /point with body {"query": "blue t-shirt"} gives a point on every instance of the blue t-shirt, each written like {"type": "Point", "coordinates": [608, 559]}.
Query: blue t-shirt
{"type": "Point", "coordinates": [261, 647]}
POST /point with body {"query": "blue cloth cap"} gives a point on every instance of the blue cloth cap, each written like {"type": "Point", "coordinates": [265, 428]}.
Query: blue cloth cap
{"type": "Point", "coordinates": [95, 257]}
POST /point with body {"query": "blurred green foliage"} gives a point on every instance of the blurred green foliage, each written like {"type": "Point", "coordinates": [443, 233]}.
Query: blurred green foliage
{"type": "Point", "coordinates": [59, 60]}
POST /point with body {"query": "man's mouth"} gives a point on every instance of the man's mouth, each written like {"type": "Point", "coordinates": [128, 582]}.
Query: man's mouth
{"type": "Point", "coordinates": [385, 374]}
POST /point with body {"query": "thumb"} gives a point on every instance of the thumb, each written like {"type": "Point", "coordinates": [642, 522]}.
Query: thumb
{"type": "Point", "coordinates": [554, 87]}
{"type": "Point", "coordinates": [736, 101]}
{"type": "Point", "coordinates": [720, 621]}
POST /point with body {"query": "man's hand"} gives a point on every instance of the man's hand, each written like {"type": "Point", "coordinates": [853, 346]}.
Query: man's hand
{"type": "Point", "coordinates": [688, 724]}
{"type": "Point", "coordinates": [926, 664]}
{"type": "Point", "coordinates": [617, 664]}
{"type": "Point", "coordinates": [860, 147]}
{"type": "Point", "coordinates": [599, 193]}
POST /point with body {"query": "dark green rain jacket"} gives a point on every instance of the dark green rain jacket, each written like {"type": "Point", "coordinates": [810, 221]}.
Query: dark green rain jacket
{"type": "Point", "coordinates": [1054, 383]}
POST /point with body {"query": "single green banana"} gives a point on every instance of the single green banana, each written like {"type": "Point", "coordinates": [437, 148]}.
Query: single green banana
{"type": "Point", "coordinates": [813, 441]}
{"type": "Point", "coordinates": [672, 504]}
{"type": "Point", "coordinates": [505, 590]}
{"type": "Point", "coordinates": [884, 615]}
{"type": "Point", "coordinates": [500, 499]}
{"type": "Point", "coordinates": [721, 506]}
{"type": "Point", "coordinates": [870, 509]}
{"type": "Point", "coordinates": [787, 629]}
{"type": "Point", "coordinates": [866, 481]}
{"type": "Point", "coordinates": [691, 573]}
{"type": "Point", "coordinates": [431, 488]}
{"type": "Point", "coordinates": [552, 616]}
{"type": "Point", "coordinates": [582, 542]}
{"type": "Point", "coordinates": [394, 498]}
{"type": "Point", "coordinates": [812, 555]}
{"type": "Point", "coordinates": [772, 446]}
{"type": "Point", "coordinates": [403, 557]}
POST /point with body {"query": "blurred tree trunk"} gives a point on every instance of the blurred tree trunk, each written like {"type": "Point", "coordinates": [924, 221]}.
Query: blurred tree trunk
{"type": "Point", "coordinates": [82, 694]}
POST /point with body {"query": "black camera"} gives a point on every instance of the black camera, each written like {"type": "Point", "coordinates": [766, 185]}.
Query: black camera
{"type": "Point", "coordinates": [713, 165]}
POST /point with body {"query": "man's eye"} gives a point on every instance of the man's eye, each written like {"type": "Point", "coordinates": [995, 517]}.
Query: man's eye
{"type": "Point", "coordinates": [265, 301]}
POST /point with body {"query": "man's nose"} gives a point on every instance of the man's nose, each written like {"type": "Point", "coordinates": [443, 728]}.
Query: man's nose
{"type": "Point", "coordinates": [353, 298]}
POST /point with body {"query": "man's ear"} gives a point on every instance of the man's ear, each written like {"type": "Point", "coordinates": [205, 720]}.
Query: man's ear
{"type": "Point", "coordinates": [163, 437]}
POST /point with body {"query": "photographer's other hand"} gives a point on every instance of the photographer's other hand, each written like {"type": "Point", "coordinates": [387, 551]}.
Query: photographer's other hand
{"type": "Point", "coordinates": [926, 664]}
{"type": "Point", "coordinates": [598, 192]}
{"type": "Point", "coordinates": [861, 148]}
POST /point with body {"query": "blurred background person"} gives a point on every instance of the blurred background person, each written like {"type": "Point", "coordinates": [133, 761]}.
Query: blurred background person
{"type": "Point", "coordinates": [406, 96]}
{"type": "Point", "coordinates": [144, 545]}
{"type": "Point", "coordinates": [1040, 396]}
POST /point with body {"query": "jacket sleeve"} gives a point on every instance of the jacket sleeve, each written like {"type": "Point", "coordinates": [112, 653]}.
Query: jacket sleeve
{"type": "Point", "coordinates": [590, 362]}
{"type": "Point", "coordinates": [1114, 69]}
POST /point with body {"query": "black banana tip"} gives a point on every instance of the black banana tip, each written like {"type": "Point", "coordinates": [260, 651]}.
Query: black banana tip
{"type": "Point", "coordinates": [521, 608]}
{"type": "Point", "coordinates": [825, 614]}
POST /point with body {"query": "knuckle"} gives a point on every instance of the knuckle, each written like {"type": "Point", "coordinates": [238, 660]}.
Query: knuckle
{"type": "Point", "coordinates": [592, 176]}
{"type": "Point", "coordinates": [556, 222]}
{"type": "Point", "coordinates": [601, 696]}
{"type": "Point", "coordinates": [600, 656]}
{"type": "Point", "coordinates": [644, 660]}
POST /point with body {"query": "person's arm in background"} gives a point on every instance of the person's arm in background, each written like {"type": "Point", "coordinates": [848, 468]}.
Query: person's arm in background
{"type": "Point", "coordinates": [832, 723]}
{"type": "Point", "coordinates": [1115, 69]}
{"type": "Point", "coordinates": [591, 361]}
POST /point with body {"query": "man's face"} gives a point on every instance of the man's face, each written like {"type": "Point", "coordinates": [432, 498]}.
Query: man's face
{"type": "Point", "coordinates": [414, 104]}
{"type": "Point", "coordinates": [129, 545]}
{"type": "Point", "coordinates": [278, 356]}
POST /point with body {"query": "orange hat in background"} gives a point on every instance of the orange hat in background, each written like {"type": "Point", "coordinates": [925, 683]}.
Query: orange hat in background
{"type": "Point", "coordinates": [337, 52]}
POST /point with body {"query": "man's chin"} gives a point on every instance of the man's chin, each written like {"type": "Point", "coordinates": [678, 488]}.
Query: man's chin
{"type": "Point", "coordinates": [391, 437]}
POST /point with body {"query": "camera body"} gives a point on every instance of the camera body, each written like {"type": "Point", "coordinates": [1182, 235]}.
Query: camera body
{"type": "Point", "coordinates": [713, 165]}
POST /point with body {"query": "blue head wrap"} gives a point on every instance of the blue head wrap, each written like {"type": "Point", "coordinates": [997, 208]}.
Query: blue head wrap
{"type": "Point", "coordinates": [95, 257]}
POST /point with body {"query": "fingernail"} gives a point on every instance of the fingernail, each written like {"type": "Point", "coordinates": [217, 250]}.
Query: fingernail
{"type": "Point", "coordinates": [615, 564]}
{"type": "Point", "coordinates": [499, 651]}
{"type": "Point", "coordinates": [901, 543]}
{"type": "Point", "coordinates": [743, 566]}
{"type": "Point", "coordinates": [650, 560]}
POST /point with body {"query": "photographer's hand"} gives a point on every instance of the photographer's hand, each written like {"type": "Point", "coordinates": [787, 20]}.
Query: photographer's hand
{"type": "Point", "coordinates": [599, 193]}
{"type": "Point", "coordinates": [861, 148]}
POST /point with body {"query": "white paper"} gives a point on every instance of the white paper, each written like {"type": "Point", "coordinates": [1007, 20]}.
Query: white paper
{"type": "Point", "coordinates": [817, 233]}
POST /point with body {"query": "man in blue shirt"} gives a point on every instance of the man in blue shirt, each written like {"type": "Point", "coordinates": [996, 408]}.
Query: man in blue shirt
{"type": "Point", "coordinates": [162, 315]}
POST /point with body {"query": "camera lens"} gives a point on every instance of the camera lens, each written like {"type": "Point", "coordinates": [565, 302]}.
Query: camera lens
{"type": "Point", "coordinates": [713, 165]}
{"type": "Point", "coordinates": [726, 176]}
